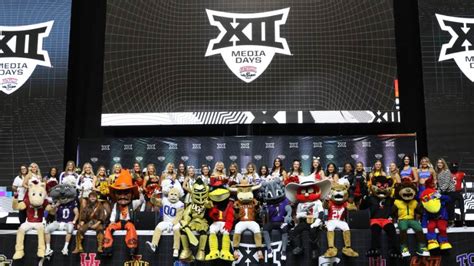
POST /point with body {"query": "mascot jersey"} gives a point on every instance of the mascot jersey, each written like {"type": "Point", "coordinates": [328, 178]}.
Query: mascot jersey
{"type": "Point", "coordinates": [313, 211]}
{"type": "Point", "coordinates": [35, 215]}
{"type": "Point", "coordinates": [379, 209]}
{"type": "Point", "coordinates": [170, 209]}
{"type": "Point", "coordinates": [247, 211]}
{"type": "Point", "coordinates": [406, 210]}
{"type": "Point", "coordinates": [277, 212]}
{"type": "Point", "coordinates": [337, 211]}
{"type": "Point", "coordinates": [65, 212]}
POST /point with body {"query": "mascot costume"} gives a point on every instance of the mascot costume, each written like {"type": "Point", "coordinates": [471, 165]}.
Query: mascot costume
{"type": "Point", "coordinates": [337, 207]}
{"type": "Point", "coordinates": [436, 214]}
{"type": "Point", "coordinates": [380, 206]}
{"type": "Point", "coordinates": [194, 220]}
{"type": "Point", "coordinates": [66, 210]}
{"type": "Point", "coordinates": [222, 215]}
{"type": "Point", "coordinates": [126, 198]}
{"type": "Point", "coordinates": [94, 217]}
{"type": "Point", "coordinates": [408, 212]}
{"type": "Point", "coordinates": [35, 204]}
{"type": "Point", "coordinates": [173, 210]}
{"type": "Point", "coordinates": [307, 193]}
{"type": "Point", "coordinates": [247, 210]}
{"type": "Point", "coordinates": [276, 211]}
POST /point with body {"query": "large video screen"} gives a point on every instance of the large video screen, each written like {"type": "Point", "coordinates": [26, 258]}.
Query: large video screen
{"type": "Point", "coordinates": [447, 43]}
{"type": "Point", "coordinates": [249, 62]}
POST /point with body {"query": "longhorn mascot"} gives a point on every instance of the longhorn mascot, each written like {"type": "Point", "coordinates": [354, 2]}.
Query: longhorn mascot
{"type": "Point", "coordinates": [127, 201]}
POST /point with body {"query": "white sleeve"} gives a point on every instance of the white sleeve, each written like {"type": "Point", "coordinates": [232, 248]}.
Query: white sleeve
{"type": "Point", "coordinates": [17, 182]}
{"type": "Point", "coordinates": [319, 207]}
{"type": "Point", "coordinates": [299, 211]}
{"type": "Point", "coordinates": [113, 213]}
{"type": "Point", "coordinates": [136, 203]}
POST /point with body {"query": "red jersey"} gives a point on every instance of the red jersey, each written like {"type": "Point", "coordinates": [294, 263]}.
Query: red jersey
{"type": "Point", "coordinates": [35, 215]}
{"type": "Point", "coordinates": [337, 211]}
{"type": "Point", "coordinates": [458, 178]}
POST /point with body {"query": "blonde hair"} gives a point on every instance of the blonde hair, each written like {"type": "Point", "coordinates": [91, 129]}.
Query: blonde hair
{"type": "Point", "coordinates": [70, 162]}
{"type": "Point", "coordinates": [83, 172]}
{"type": "Point", "coordinates": [214, 171]}
{"type": "Point", "coordinates": [116, 165]}
{"type": "Point", "coordinates": [445, 165]}
{"type": "Point", "coordinates": [148, 166]}
{"type": "Point", "coordinates": [30, 173]}
{"type": "Point", "coordinates": [430, 165]}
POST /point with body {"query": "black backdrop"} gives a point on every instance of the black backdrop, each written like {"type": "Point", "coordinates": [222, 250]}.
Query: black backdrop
{"type": "Point", "coordinates": [86, 79]}
{"type": "Point", "coordinates": [449, 94]}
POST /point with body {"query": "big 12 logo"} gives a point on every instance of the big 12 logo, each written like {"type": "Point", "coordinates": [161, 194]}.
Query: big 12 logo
{"type": "Point", "coordinates": [247, 42]}
{"type": "Point", "coordinates": [460, 46]}
{"type": "Point", "coordinates": [21, 50]}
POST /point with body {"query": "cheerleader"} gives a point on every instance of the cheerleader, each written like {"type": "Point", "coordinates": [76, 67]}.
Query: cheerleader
{"type": "Point", "coordinates": [205, 175]}
{"type": "Point", "coordinates": [295, 169]}
{"type": "Point", "coordinates": [181, 172]}
{"type": "Point", "coordinates": [407, 170]}
{"type": "Point", "coordinates": [151, 185]}
{"type": "Point", "coordinates": [169, 173]}
{"type": "Point", "coordinates": [331, 173]}
{"type": "Point", "coordinates": [394, 173]}
{"type": "Point", "coordinates": [251, 176]}
{"type": "Point", "coordinates": [188, 183]}
{"type": "Point", "coordinates": [34, 173]}
{"type": "Point", "coordinates": [18, 189]}
{"type": "Point", "coordinates": [317, 169]}
{"type": "Point", "coordinates": [117, 168]}
{"type": "Point", "coordinates": [264, 174]}
{"type": "Point", "coordinates": [69, 175]}
{"type": "Point", "coordinates": [137, 175]}
{"type": "Point", "coordinates": [424, 173]}
{"type": "Point", "coordinates": [377, 170]}
{"type": "Point", "coordinates": [358, 189]}
{"type": "Point", "coordinates": [101, 186]}
{"type": "Point", "coordinates": [218, 176]}
{"type": "Point", "coordinates": [51, 179]}
{"type": "Point", "coordinates": [85, 183]}
{"type": "Point", "coordinates": [278, 171]}
{"type": "Point", "coordinates": [347, 175]}
{"type": "Point", "coordinates": [234, 174]}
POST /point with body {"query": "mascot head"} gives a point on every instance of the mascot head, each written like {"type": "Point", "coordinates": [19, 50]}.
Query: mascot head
{"type": "Point", "coordinates": [339, 193]}
{"type": "Point", "coordinates": [430, 199]}
{"type": "Point", "coordinates": [381, 186]}
{"type": "Point", "coordinates": [199, 192]}
{"type": "Point", "coordinates": [93, 197]}
{"type": "Point", "coordinates": [123, 191]}
{"type": "Point", "coordinates": [63, 193]}
{"type": "Point", "coordinates": [245, 191]}
{"type": "Point", "coordinates": [173, 195]}
{"type": "Point", "coordinates": [406, 190]}
{"type": "Point", "coordinates": [273, 191]}
{"type": "Point", "coordinates": [36, 193]}
{"type": "Point", "coordinates": [307, 189]}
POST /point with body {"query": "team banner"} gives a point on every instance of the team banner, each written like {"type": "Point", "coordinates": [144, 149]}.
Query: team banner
{"type": "Point", "coordinates": [34, 50]}
{"type": "Point", "coordinates": [244, 149]}
{"type": "Point", "coordinates": [249, 62]}
{"type": "Point", "coordinates": [462, 253]}
{"type": "Point", "coordinates": [447, 43]}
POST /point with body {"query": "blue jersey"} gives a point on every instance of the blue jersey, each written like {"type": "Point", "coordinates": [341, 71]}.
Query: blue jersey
{"type": "Point", "coordinates": [65, 212]}
{"type": "Point", "coordinates": [277, 212]}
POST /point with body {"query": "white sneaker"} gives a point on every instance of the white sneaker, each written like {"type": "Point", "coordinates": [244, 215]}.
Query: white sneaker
{"type": "Point", "coordinates": [283, 255]}
{"type": "Point", "coordinates": [151, 246]}
{"type": "Point", "coordinates": [175, 253]}
{"type": "Point", "coordinates": [65, 251]}
{"type": "Point", "coordinates": [48, 252]}
{"type": "Point", "coordinates": [270, 254]}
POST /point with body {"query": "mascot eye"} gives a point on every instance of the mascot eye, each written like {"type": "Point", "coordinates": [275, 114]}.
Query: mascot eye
{"type": "Point", "coordinates": [269, 194]}
{"type": "Point", "coordinates": [34, 194]}
{"type": "Point", "coordinates": [279, 192]}
{"type": "Point", "coordinates": [41, 194]}
{"type": "Point", "coordinates": [310, 190]}
{"type": "Point", "coordinates": [303, 191]}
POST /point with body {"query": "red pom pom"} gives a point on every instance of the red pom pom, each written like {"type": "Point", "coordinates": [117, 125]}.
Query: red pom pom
{"type": "Point", "coordinates": [292, 179]}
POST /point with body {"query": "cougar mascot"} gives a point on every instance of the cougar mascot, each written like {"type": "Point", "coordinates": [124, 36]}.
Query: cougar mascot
{"type": "Point", "coordinates": [337, 207]}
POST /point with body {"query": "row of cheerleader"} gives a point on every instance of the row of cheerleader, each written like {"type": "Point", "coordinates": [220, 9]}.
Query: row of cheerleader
{"type": "Point", "coordinates": [195, 209]}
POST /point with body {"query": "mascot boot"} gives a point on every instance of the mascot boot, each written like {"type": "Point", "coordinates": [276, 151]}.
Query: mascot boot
{"type": "Point", "coordinates": [79, 248]}
{"type": "Point", "coordinates": [236, 246]}
{"type": "Point", "coordinates": [225, 253]}
{"type": "Point", "coordinates": [332, 251]}
{"type": "Point", "coordinates": [201, 255]}
{"type": "Point", "coordinates": [41, 243]}
{"type": "Point", "coordinates": [347, 250]}
{"type": "Point", "coordinates": [213, 248]}
{"type": "Point", "coordinates": [258, 243]}
{"type": "Point", "coordinates": [186, 253]}
{"type": "Point", "coordinates": [100, 242]}
{"type": "Point", "coordinates": [19, 248]}
{"type": "Point", "coordinates": [176, 243]}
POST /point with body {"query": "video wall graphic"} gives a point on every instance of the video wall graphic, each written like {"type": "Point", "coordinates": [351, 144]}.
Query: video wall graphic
{"type": "Point", "coordinates": [34, 51]}
{"type": "Point", "coordinates": [447, 43]}
{"type": "Point", "coordinates": [249, 62]}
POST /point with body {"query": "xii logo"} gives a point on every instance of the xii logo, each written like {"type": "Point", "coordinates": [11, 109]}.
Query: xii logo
{"type": "Point", "coordinates": [248, 42]}
{"type": "Point", "coordinates": [21, 50]}
{"type": "Point", "coordinates": [460, 47]}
